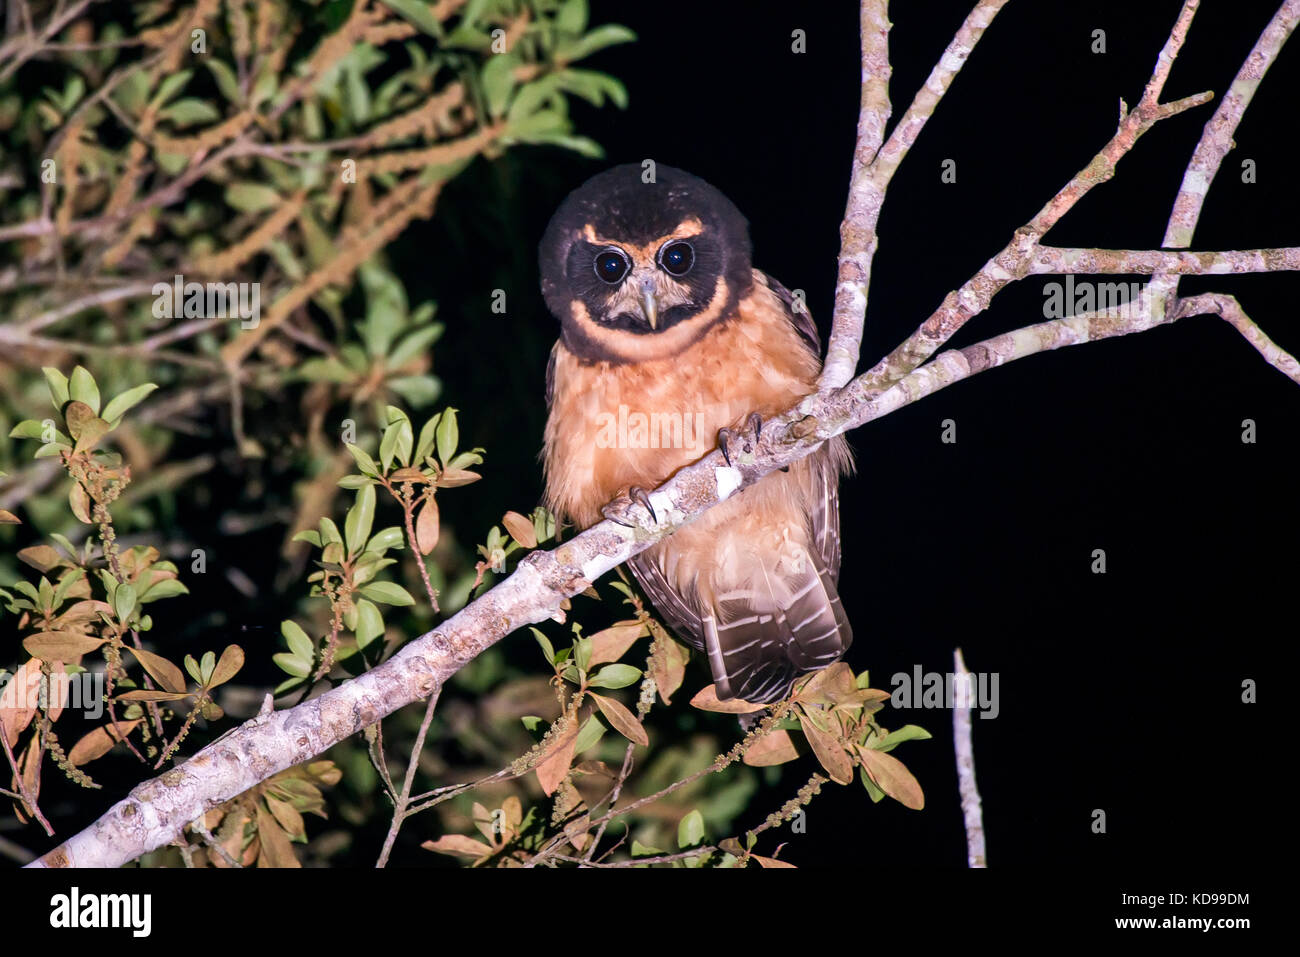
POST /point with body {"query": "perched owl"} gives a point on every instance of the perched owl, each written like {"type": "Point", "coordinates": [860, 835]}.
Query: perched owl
{"type": "Point", "coordinates": [671, 341]}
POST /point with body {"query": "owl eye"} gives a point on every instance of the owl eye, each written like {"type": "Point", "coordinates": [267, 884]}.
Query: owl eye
{"type": "Point", "coordinates": [612, 265]}
{"type": "Point", "coordinates": [677, 258]}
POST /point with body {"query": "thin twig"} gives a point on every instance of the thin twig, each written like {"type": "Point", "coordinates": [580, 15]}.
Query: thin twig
{"type": "Point", "coordinates": [29, 800]}
{"type": "Point", "coordinates": [961, 735]}
{"type": "Point", "coordinates": [399, 811]}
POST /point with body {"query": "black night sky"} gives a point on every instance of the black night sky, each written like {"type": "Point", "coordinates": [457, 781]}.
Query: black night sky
{"type": "Point", "coordinates": [1121, 691]}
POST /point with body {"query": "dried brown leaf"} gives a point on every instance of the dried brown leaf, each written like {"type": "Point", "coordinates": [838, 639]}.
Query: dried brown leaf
{"type": "Point", "coordinates": [160, 669]}
{"type": "Point", "coordinates": [830, 752]}
{"type": "Point", "coordinates": [99, 742]}
{"type": "Point", "coordinates": [775, 747]}
{"type": "Point", "coordinates": [427, 526]}
{"type": "Point", "coordinates": [520, 529]}
{"type": "Point", "coordinates": [892, 777]}
{"type": "Point", "coordinates": [613, 642]}
{"type": "Point", "coordinates": [60, 645]}
{"type": "Point", "coordinates": [555, 766]}
{"type": "Point", "coordinates": [623, 720]}
{"type": "Point", "coordinates": [707, 700]}
{"type": "Point", "coordinates": [458, 844]}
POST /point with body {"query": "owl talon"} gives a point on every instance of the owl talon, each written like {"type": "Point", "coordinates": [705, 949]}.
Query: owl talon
{"type": "Point", "coordinates": [753, 424]}
{"type": "Point", "coordinates": [724, 437]}
{"type": "Point", "coordinates": [619, 510]}
{"type": "Point", "coordinates": [639, 495]}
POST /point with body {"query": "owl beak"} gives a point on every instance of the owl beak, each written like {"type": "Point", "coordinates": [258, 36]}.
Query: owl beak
{"type": "Point", "coordinates": [649, 304]}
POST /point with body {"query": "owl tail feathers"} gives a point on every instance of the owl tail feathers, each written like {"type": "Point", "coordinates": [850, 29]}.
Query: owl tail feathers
{"type": "Point", "coordinates": [781, 624]}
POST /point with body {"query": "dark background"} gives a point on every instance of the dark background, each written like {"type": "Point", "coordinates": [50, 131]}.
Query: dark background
{"type": "Point", "coordinates": [1119, 691]}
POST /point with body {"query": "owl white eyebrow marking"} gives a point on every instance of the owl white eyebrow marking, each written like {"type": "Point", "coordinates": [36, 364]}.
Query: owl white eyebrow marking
{"type": "Point", "coordinates": [691, 226]}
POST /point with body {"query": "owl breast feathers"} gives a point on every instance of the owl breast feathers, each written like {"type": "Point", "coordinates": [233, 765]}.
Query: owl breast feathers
{"type": "Point", "coordinates": [668, 336]}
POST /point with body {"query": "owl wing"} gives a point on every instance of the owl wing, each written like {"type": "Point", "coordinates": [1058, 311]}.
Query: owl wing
{"type": "Point", "coordinates": [765, 633]}
{"type": "Point", "coordinates": [795, 310]}
{"type": "Point", "coordinates": [680, 616]}
{"type": "Point", "coordinates": [825, 512]}
{"type": "Point", "coordinates": [550, 374]}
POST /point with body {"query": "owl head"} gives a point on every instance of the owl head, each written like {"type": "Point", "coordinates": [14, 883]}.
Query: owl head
{"type": "Point", "coordinates": [638, 270]}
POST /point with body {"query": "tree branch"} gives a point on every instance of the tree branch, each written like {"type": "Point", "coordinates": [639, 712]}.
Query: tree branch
{"type": "Point", "coordinates": [976, 856]}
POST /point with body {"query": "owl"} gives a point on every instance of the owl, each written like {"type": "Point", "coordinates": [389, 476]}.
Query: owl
{"type": "Point", "coordinates": [671, 343]}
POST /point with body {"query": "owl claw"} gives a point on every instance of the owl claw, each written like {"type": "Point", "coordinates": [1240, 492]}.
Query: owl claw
{"type": "Point", "coordinates": [619, 510]}
{"type": "Point", "coordinates": [753, 424]}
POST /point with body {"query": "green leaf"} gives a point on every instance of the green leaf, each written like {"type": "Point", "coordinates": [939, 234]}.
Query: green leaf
{"type": "Point", "coordinates": [363, 460]}
{"type": "Point", "coordinates": [65, 583]}
{"type": "Point", "coordinates": [82, 388]}
{"type": "Point", "coordinates": [582, 145]}
{"type": "Point", "coordinates": [166, 588]}
{"type": "Point", "coordinates": [418, 13]}
{"type": "Point", "coordinates": [360, 517]}
{"type": "Point", "coordinates": [412, 345]}
{"type": "Point", "coordinates": [498, 79]}
{"type": "Point", "coordinates": [909, 732]}
{"type": "Point", "coordinates": [325, 369]}
{"type": "Point", "coordinates": [172, 84]}
{"type": "Point", "coordinates": [28, 429]}
{"type": "Point", "coordinates": [190, 112]}
{"type": "Point", "coordinates": [298, 667]}
{"type": "Point", "coordinates": [448, 435]}
{"type": "Point", "coordinates": [582, 652]}
{"type": "Point", "coordinates": [690, 829]}
{"type": "Point", "coordinates": [225, 79]}
{"type": "Point", "coordinates": [329, 532]}
{"type": "Point", "coordinates": [547, 649]}
{"type": "Point", "coordinates": [425, 445]}
{"type": "Point", "coordinates": [251, 197]}
{"type": "Point", "coordinates": [386, 310]}
{"type": "Point", "coordinates": [390, 537]}
{"type": "Point", "coordinates": [419, 391]}
{"type": "Point", "coordinates": [615, 676]}
{"type": "Point", "coordinates": [121, 403]}
{"type": "Point", "coordinates": [58, 385]}
{"type": "Point", "coordinates": [591, 732]}
{"type": "Point", "coordinates": [572, 17]}
{"type": "Point", "coordinates": [603, 36]}
{"type": "Point", "coordinates": [301, 646]}
{"type": "Point", "coordinates": [124, 600]}
{"type": "Point", "coordinates": [593, 86]}
{"type": "Point", "coordinates": [370, 623]}
{"type": "Point", "coordinates": [396, 443]}
{"type": "Point", "coordinates": [389, 593]}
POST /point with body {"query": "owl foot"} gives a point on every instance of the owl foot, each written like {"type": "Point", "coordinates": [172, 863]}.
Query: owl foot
{"type": "Point", "coordinates": [620, 510]}
{"type": "Point", "coordinates": [747, 439]}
